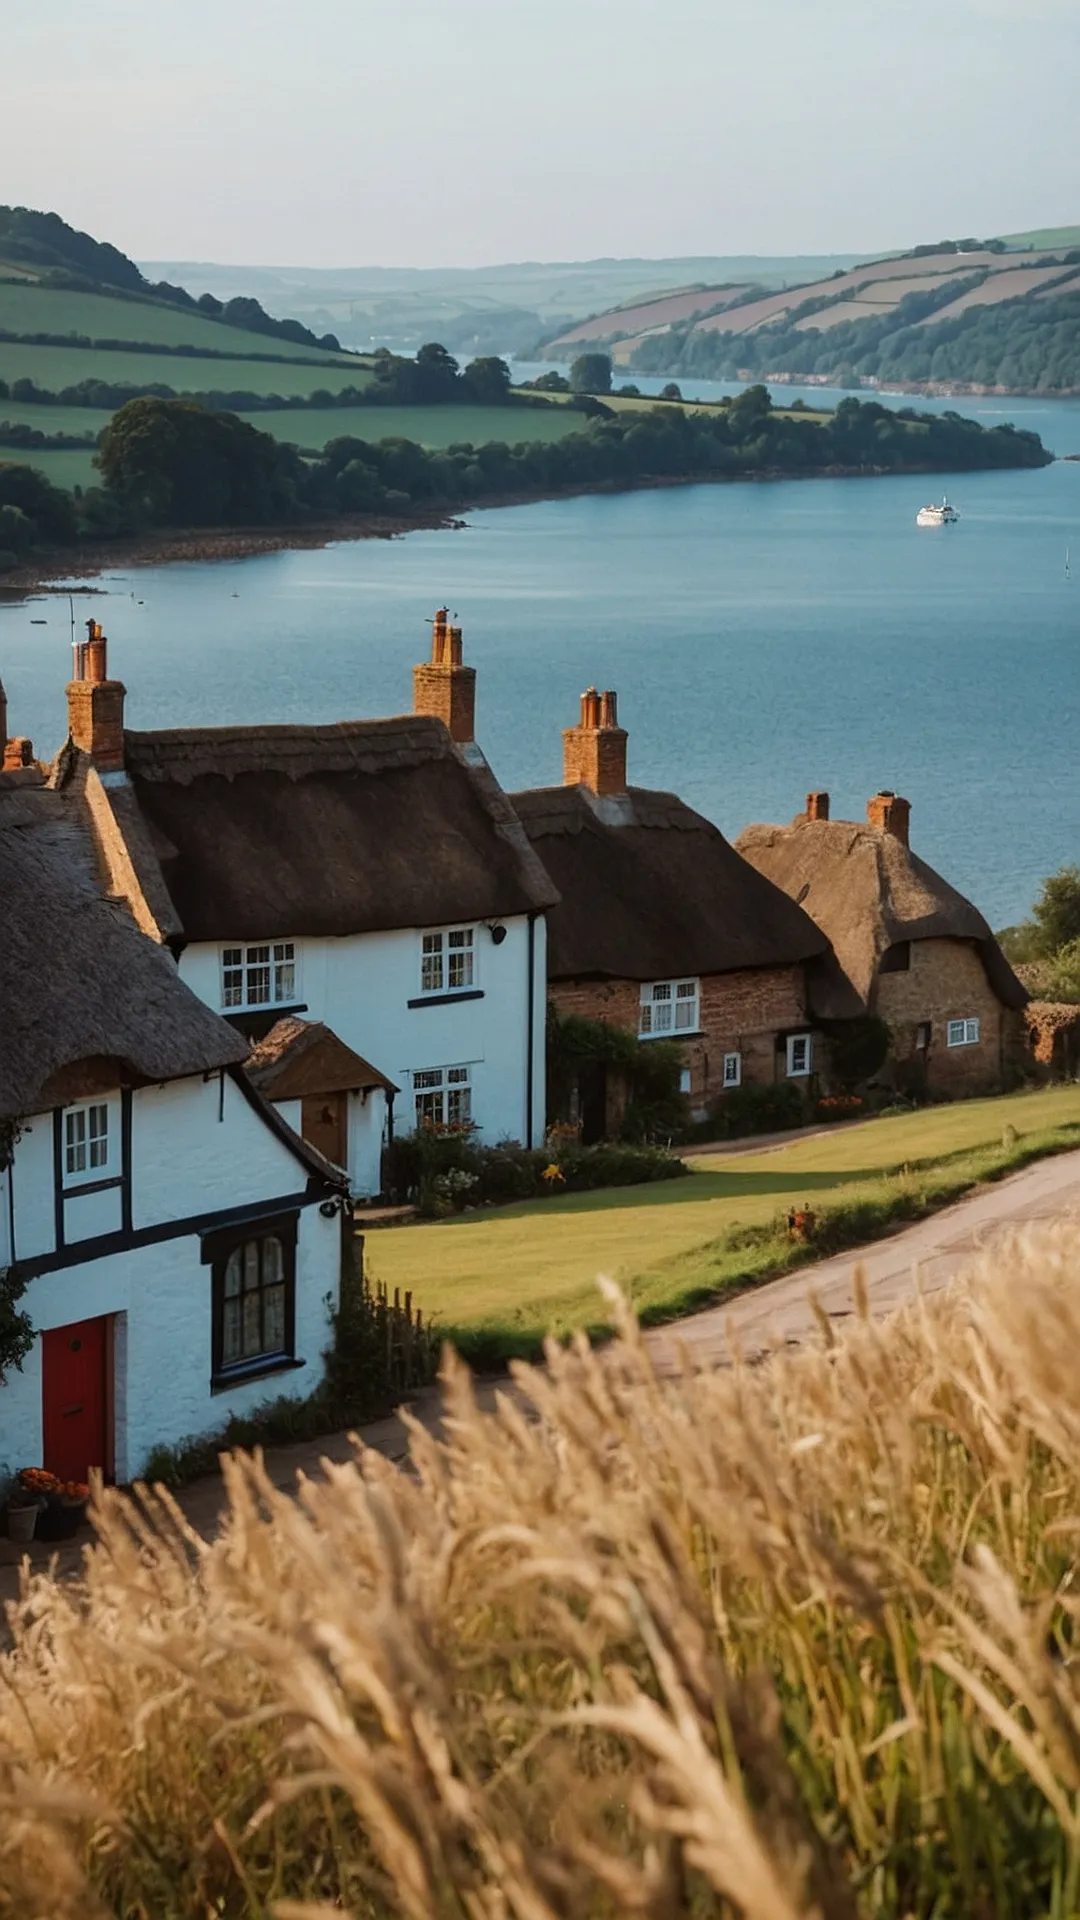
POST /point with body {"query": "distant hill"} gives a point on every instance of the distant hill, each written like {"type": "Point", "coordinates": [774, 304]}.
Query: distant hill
{"type": "Point", "coordinates": [982, 315]}
{"type": "Point", "coordinates": [42, 246]}
{"type": "Point", "coordinates": [500, 309]}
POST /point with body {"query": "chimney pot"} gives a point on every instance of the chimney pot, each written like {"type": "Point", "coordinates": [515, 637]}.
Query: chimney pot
{"type": "Point", "coordinates": [594, 752]}
{"type": "Point", "coordinates": [817, 805]}
{"type": "Point", "coordinates": [890, 814]}
{"type": "Point", "coordinates": [444, 687]}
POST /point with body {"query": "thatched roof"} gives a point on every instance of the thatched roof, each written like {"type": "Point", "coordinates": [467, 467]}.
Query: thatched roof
{"type": "Point", "coordinates": [352, 828]}
{"type": "Point", "coordinates": [299, 1057]}
{"type": "Point", "coordinates": [651, 890]}
{"type": "Point", "coordinates": [867, 891]}
{"type": "Point", "coordinates": [78, 981]}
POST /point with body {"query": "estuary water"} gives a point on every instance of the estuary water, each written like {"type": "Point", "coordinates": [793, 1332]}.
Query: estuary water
{"type": "Point", "coordinates": [763, 638]}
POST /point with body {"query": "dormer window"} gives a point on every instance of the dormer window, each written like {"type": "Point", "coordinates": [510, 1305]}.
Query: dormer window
{"type": "Point", "coordinates": [448, 961]}
{"type": "Point", "coordinates": [669, 1007]}
{"type": "Point", "coordinates": [263, 976]}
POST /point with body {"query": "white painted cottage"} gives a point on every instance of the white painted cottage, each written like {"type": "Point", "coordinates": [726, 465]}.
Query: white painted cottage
{"type": "Point", "coordinates": [179, 1242]}
{"type": "Point", "coordinates": [368, 879]}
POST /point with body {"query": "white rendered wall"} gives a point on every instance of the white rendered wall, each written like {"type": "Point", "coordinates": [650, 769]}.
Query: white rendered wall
{"type": "Point", "coordinates": [162, 1381]}
{"type": "Point", "coordinates": [361, 987]}
{"type": "Point", "coordinates": [185, 1162]}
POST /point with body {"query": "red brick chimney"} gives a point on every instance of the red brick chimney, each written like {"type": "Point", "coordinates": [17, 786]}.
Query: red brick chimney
{"type": "Point", "coordinates": [888, 812]}
{"type": "Point", "coordinates": [817, 806]}
{"type": "Point", "coordinates": [96, 703]}
{"type": "Point", "coordinates": [594, 752]}
{"type": "Point", "coordinates": [444, 687]}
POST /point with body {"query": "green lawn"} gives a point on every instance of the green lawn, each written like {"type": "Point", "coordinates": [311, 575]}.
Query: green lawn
{"type": "Point", "coordinates": [55, 367]}
{"type": "Point", "coordinates": [431, 426]}
{"type": "Point", "coordinates": [101, 316]}
{"type": "Point", "coordinates": [526, 1269]}
{"type": "Point", "coordinates": [57, 419]}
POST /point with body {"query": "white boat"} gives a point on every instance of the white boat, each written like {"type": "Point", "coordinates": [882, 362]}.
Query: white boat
{"type": "Point", "coordinates": [932, 516]}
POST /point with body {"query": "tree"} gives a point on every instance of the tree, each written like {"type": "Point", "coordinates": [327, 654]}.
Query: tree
{"type": "Point", "coordinates": [591, 373]}
{"type": "Point", "coordinates": [176, 464]}
{"type": "Point", "coordinates": [486, 380]}
{"type": "Point", "coordinates": [1056, 913]}
{"type": "Point", "coordinates": [671, 392]}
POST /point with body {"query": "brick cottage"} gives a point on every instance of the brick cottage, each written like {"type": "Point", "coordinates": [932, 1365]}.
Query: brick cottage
{"type": "Point", "coordinates": [662, 928]}
{"type": "Point", "coordinates": [906, 946]}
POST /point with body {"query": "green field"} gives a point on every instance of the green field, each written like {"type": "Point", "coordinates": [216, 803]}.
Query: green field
{"type": "Point", "coordinates": [34, 309]}
{"type": "Point", "coordinates": [525, 1269]}
{"type": "Point", "coordinates": [55, 367]}
{"type": "Point", "coordinates": [65, 467]}
{"type": "Point", "coordinates": [430, 426]}
{"type": "Point", "coordinates": [75, 420]}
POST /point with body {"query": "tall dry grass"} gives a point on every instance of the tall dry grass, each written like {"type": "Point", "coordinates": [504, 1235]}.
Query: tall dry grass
{"type": "Point", "coordinates": [785, 1642]}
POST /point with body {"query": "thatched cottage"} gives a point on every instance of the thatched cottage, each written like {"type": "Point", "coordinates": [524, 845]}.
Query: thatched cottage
{"type": "Point", "coordinates": [906, 946]}
{"type": "Point", "coordinates": [178, 1240]}
{"type": "Point", "coordinates": [661, 927]}
{"type": "Point", "coordinates": [369, 876]}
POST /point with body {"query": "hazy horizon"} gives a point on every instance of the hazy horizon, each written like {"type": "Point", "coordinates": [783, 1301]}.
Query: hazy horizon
{"type": "Point", "coordinates": [428, 137]}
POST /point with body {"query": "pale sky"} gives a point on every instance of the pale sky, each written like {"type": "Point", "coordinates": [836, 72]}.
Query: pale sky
{"type": "Point", "coordinates": [468, 132]}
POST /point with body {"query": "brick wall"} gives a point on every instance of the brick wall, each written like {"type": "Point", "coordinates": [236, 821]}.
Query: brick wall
{"type": "Point", "coordinates": [947, 981]}
{"type": "Point", "coordinates": [740, 1013]}
{"type": "Point", "coordinates": [96, 721]}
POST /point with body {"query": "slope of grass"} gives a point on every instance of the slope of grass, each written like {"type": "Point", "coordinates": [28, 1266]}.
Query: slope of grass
{"type": "Point", "coordinates": [101, 316]}
{"type": "Point", "coordinates": [76, 420]}
{"type": "Point", "coordinates": [504, 1278]}
{"type": "Point", "coordinates": [53, 368]}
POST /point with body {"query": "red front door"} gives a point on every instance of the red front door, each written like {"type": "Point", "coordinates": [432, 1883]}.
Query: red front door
{"type": "Point", "coordinates": [74, 1383]}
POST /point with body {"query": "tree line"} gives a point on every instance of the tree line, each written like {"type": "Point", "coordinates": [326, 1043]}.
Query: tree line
{"type": "Point", "coordinates": [1029, 345]}
{"type": "Point", "coordinates": [171, 463]}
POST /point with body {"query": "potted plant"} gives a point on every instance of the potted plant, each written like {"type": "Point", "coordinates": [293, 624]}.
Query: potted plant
{"type": "Point", "coordinates": [62, 1513]}
{"type": "Point", "coordinates": [23, 1506]}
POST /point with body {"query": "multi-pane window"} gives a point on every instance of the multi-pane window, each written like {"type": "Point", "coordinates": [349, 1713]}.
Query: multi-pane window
{"type": "Point", "coordinates": [263, 976]}
{"type": "Point", "coordinates": [254, 1279]}
{"type": "Point", "coordinates": [733, 1069]}
{"type": "Point", "coordinates": [443, 1097]}
{"type": "Point", "coordinates": [800, 1056]}
{"type": "Point", "coordinates": [447, 961]}
{"type": "Point", "coordinates": [86, 1139]}
{"type": "Point", "coordinates": [669, 1006]}
{"type": "Point", "coordinates": [962, 1033]}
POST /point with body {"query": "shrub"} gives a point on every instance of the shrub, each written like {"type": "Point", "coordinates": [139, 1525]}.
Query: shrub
{"type": "Point", "coordinates": [439, 1169]}
{"type": "Point", "coordinates": [612, 1164]}
{"type": "Point", "coordinates": [757, 1109]}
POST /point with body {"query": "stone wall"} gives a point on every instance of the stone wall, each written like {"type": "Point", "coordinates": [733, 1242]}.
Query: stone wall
{"type": "Point", "coordinates": [741, 1013]}
{"type": "Point", "coordinates": [947, 981]}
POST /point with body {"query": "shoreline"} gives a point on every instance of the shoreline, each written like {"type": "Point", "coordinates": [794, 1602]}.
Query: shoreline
{"type": "Point", "coordinates": [196, 545]}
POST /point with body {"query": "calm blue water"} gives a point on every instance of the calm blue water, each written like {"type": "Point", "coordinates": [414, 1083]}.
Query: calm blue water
{"type": "Point", "coordinates": [764, 639]}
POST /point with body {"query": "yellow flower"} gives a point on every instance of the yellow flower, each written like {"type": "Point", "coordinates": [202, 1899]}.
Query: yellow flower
{"type": "Point", "coordinates": [552, 1174]}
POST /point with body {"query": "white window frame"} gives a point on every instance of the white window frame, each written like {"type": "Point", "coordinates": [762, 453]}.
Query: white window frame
{"type": "Point", "coordinates": [448, 960]}
{"type": "Point", "coordinates": [245, 962]}
{"type": "Point", "coordinates": [87, 1143]}
{"type": "Point", "coordinates": [731, 1071]}
{"type": "Point", "coordinates": [442, 1096]}
{"type": "Point", "coordinates": [796, 1041]}
{"type": "Point", "coordinates": [660, 1005]}
{"type": "Point", "coordinates": [963, 1033]}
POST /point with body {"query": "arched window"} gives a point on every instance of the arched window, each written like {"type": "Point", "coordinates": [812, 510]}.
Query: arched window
{"type": "Point", "coordinates": [254, 1287]}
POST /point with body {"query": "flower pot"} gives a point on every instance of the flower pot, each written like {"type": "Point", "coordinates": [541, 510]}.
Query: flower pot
{"type": "Point", "coordinates": [59, 1522]}
{"type": "Point", "coordinates": [21, 1523]}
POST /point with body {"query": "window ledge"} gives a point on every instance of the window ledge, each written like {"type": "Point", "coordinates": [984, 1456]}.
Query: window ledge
{"type": "Point", "coordinates": [258, 1370]}
{"type": "Point", "coordinates": [446, 999]}
{"type": "Point", "coordinates": [683, 1033]}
